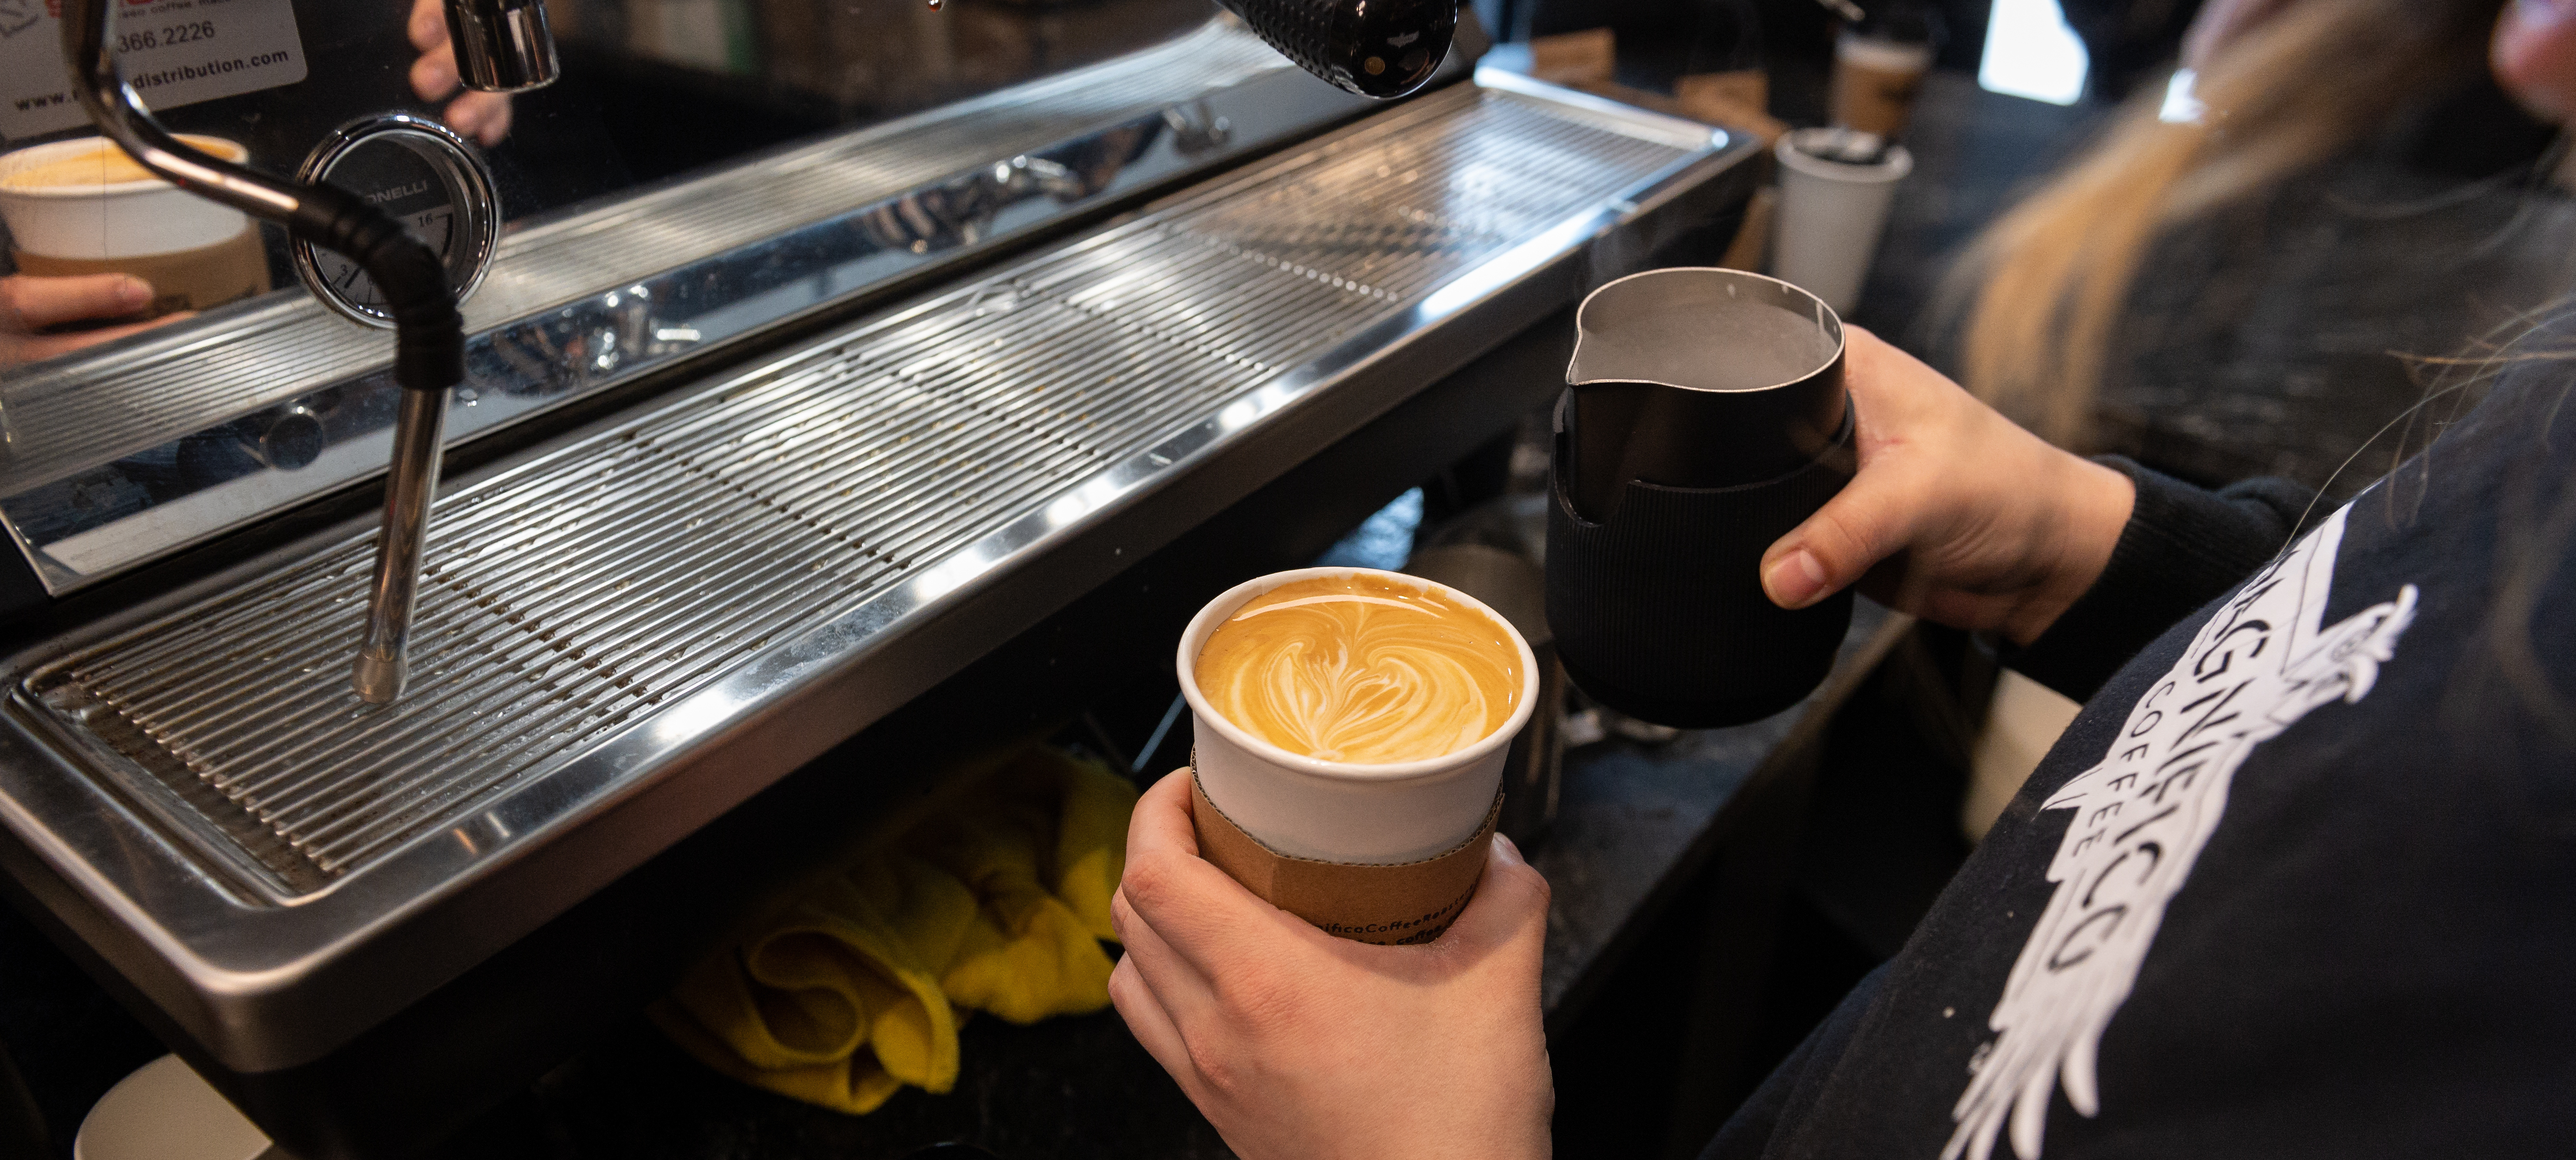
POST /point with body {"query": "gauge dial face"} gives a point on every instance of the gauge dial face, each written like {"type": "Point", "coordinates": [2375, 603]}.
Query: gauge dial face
{"type": "Point", "coordinates": [426, 178]}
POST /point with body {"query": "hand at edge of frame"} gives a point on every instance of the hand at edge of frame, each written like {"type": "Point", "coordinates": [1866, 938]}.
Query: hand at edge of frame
{"type": "Point", "coordinates": [1301, 1046]}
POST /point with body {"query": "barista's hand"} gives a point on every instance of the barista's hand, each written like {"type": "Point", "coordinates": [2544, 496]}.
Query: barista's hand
{"type": "Point", "coordinates": [1301, 1046]}
{"type": "Point", "coordinates": [29, 304]}
{"type": "Point", "coordinates": [1957, 515]}
{"type": "Point", "coordinates": [484, 117]}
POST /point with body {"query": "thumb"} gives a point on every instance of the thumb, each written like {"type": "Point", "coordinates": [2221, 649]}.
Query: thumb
{"type": "Point", "coordinates": [1868, 521]}
{"type": "Point", "coordinates": [1510, 902]}
{"type": "Point", "coordinates": [428, 27]}
{"type": "Point", "coordinates": [44, 302]}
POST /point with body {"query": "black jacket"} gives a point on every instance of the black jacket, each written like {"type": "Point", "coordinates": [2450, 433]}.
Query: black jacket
{"type": "Point", "coordinates": [2300, 881]}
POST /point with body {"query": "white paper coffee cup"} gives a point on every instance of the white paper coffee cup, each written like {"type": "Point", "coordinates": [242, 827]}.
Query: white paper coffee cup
{"type": "Point", "coordinates": [126, 219]}
{"type": "Point", "coordinates": [1876, 82]}
{"type": "Point", "coordinates": [1831, 216]}
{"type": "Point", "coordinates": [1334, 811]}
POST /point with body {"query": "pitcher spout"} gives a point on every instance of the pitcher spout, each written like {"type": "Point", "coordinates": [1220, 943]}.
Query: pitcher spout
{"type": "Point", "coordinates": [1697, 378]}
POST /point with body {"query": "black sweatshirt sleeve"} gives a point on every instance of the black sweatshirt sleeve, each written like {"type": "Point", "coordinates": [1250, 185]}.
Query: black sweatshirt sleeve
{"type": "Point", "coordinates": [2183, 547]}
{"type": "Point", "coordinates": [1790, 1092]}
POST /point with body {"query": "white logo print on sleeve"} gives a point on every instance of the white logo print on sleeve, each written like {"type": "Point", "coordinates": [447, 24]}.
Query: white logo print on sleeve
{"type": "Point", "coordinates": [2141, 819]}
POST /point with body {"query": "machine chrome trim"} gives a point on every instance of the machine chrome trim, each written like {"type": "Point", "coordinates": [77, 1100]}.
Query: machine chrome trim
{"type": "Point", "coordinates": [476, 202]}
{"type": "Point", "coordinates": [1268, 313]}
{"type": "Point", "coordinates": [502, 46]}
{"type": "Point", "coordinates": [114, 458]}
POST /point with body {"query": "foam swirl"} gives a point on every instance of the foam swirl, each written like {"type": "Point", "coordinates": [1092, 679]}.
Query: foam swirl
{"type": "Point", "coordinates": [1361, 669]}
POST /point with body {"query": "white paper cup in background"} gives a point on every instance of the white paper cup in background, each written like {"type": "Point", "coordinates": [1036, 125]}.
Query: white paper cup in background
{"type": "Point", "coordinates": [1832, 214]}
{"type": "Point", "coordinates": [126, 219]}
{"type": "Point", "coordinates": [195, 252]}
{"type": "Point", "coordinates": [1332, 811]}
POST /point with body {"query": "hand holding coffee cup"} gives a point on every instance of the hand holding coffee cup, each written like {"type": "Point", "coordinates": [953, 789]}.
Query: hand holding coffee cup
{"type": "Point", "coordinates": [1351, 727]}
{"type": "Point", "coordinates": [81, 209]}
{"type": "Point", "coordinates": [1298, 1044]}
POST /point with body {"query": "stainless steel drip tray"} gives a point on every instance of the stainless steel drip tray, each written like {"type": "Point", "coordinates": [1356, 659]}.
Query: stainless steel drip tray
{"type": "Point", "coordinates": [624, 635]}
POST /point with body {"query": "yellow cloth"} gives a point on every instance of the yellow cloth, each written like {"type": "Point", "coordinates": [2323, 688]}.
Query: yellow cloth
{"type": "Point", "coordinates": [997, 904]}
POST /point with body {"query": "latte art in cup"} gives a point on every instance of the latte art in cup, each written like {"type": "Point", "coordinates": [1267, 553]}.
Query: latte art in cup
{"type": "Point", "coordinates": [1362, 669]}
{"type": "Point", "coordinates": [82, 207]}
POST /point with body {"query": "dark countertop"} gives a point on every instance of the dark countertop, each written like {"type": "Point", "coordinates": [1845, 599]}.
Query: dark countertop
{"type": "Point", "coordinates": [1629, 818]}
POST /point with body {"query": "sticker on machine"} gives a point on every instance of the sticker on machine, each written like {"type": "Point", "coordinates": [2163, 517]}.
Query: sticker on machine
{"type": "Point", "coordinates": [174, 52]}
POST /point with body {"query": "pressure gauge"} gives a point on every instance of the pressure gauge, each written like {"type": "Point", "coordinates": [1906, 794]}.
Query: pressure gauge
{"type": "Point", "coordinates": [427, 178]}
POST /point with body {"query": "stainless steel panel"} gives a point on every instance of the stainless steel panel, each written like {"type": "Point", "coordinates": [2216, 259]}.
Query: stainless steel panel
{"type": "Point", "coordinates": [583, 302]}
{"type": "Point", "coordinates": [219, 814]}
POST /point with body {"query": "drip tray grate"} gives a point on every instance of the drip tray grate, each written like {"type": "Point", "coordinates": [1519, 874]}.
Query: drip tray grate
{"type": "Point", "coordinates": [567, 597]}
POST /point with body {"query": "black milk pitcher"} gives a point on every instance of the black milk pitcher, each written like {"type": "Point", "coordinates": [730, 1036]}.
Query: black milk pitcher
{"type": "Point", "coordinates": [1704, 417]}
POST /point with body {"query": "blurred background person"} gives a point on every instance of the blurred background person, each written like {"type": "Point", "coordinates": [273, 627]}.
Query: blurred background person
{"type": "Point", "coordinates": [2308, 219]}
{"type": "Point", "coordinates": [2257, 269]}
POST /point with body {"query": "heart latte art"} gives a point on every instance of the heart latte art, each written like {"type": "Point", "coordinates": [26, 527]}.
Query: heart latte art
{"type": "Point", "coordinates": [1361, 669]}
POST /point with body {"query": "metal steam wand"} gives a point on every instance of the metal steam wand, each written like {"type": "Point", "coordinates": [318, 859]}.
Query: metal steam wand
{"type": "Point", "coordinates": [501, 46]}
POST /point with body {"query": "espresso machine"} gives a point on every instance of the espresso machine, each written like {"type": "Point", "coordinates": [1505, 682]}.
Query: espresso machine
{"type": "Point", "coordinates": [764, 400]}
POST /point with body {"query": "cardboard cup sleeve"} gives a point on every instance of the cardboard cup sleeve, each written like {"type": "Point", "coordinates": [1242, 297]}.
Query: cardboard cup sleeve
{"type": "Point", "coordinates": [1395, 904]}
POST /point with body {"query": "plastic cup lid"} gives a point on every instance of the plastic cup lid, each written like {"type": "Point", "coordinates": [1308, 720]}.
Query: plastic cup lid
{"type": "Point", "coordinates": [1843, 146]}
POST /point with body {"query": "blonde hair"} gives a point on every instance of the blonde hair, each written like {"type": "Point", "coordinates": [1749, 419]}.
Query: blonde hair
{"type": "Point", "coordinates": [2046, 285]}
